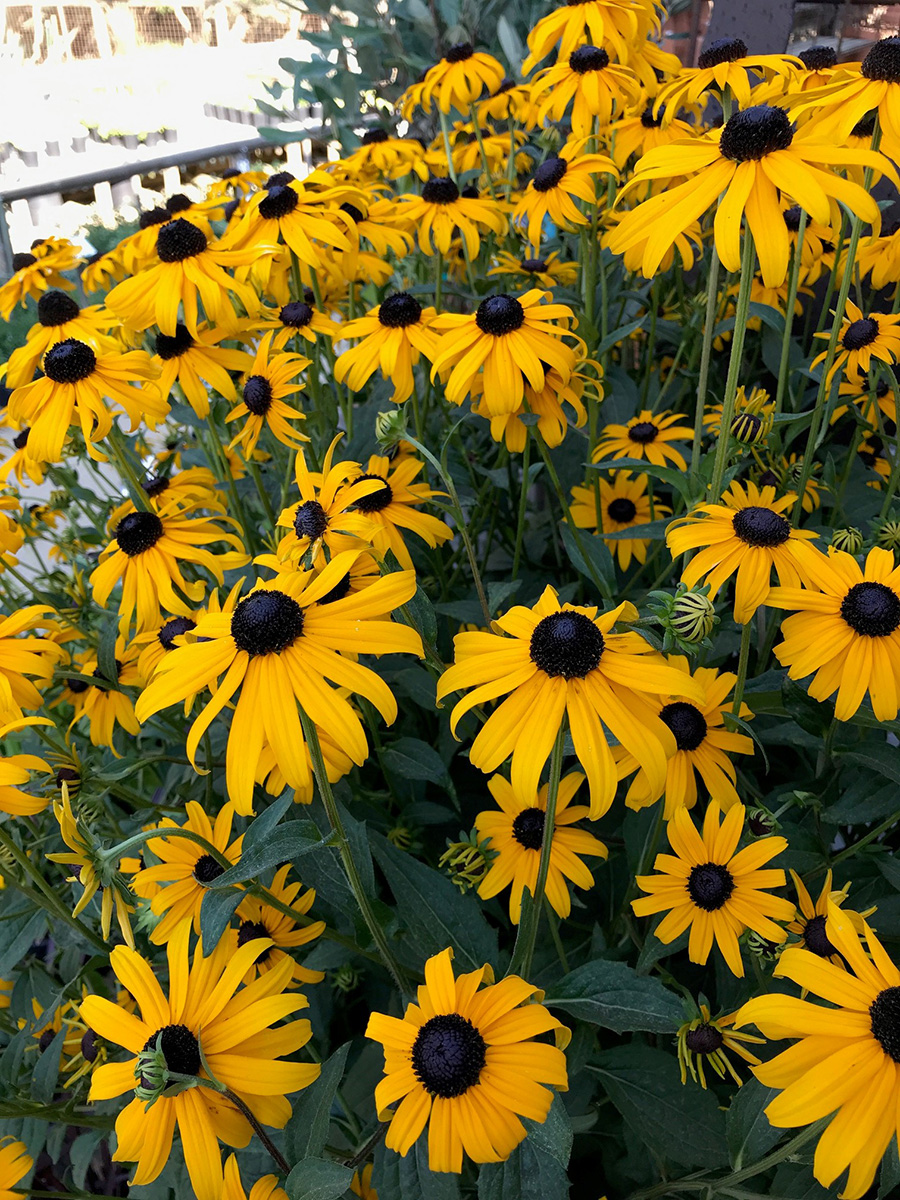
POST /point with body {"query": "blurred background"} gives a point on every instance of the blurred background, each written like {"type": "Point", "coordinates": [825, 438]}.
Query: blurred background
{"type": "Point", "coordinates": [110, 105]}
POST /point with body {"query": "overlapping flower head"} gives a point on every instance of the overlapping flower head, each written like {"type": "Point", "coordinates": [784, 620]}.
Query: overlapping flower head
{"type": "Point", "coordinates": [491, 409]}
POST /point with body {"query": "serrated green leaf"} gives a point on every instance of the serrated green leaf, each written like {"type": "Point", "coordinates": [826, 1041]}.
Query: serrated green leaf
{"type": "Point", "coordinates": [613, 995]}
{"type": "Point", "coordinates": [747, 1128]}
{"type": "Point", "coordinates": [618, 335]}
{"type": "Point", "coordinates": [286, 843]}
{"type": "Point", "coordinates": [306, 1133]}
{"type": "Point", "coordinates": [318, 1179]}
{"type": "Point", "coordinates": [681, 1122]}
{"type": "Point", "coordinates": [434, 913]}
{"type": "Point", "coordinates": [216, 910]}
{"type": "Point", "coordinates": [412, 758]}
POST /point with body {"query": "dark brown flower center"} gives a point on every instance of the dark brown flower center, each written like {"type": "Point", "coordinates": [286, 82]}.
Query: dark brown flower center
{"type": "Point", "coordinates": [251, 931]}
{"type": "Point", "coordinates": [534, 266]}
{"type": "Point", "coordinates": [710, 885]}
{"type": "Point", "coordinates": [179, 1047]}
{"type": "Point", "coordinates": [440, 191]}
{"type": "Point", "coordinates": [20, 441]}
{"type": "Point", "coordinates": [257, 394]}
{"type": "Point", "coordinates": [372, 136]}
{"type": "Point", "coordinates": [816, 939]}
{"type": "Point", "coordinates": [865, 126]}
{"type": "Point", "coordinates": [399, 310]}
{"type": "Point", "coordinates": [448, 1055]}
{"type": "Point", "coordinates": [722, 50]}
{"type": "Point", "coordinates": [175, 345]}
{"type": "Point", "coordinates": [310, 520]}
{"type": "Point", "coordinates": [499, 315]}
{"type": "Point", "coordinates": [622, 510]}
{"type": "Point", "coordinates": [566, 644]}
{"type": "Point", "coordinates": [179, 240]}
{"type": "Point", "coordinates": [549, 174]}
{"type": "Point", "coordinates": [756, 132]}
{"type": "Point", "coordinates": [649, 121]}
{"type": "Point", "coordinates": [377, 500]}
{"type": "Point", "coordinates": [687, 723]}
{"type": "Point", "coordinates": [173, 629]}
{"type": "Point", "coordinates": [21, 261]}
{"type": "Point", "coordinates": [757, 526]}
{"type": "Point", "coordinates": [155, 216]}
{"type": "Point", "coordinates": [296, 315]}
{"type": "Point", "coordinates": [528, 828]}
{"type": "Point", "coordinates": [278, 202]}
{"type": "Point", "coordinates": [588, 58]}
{"type": "Point", "coordinates": [266, 622]}
{"type": "Point", "coordinates": [705, 1039]}
{"type": "Point", "coordinates": [56, 308]}
{"type": "Point", "coordinates": [818, 58]}
{"type": "Point", "coordinates": [871, 609]}
{"type": "Point", "coordinates": [460, 52]}
{"type": "Point", "coordinates": [643, 432]}
{"type": "Point", "coordinates": [883, 61]}
{"type": "Point", "coordinates": [69, 361]}
{"type": "Point", "coordinates": [860, 333]}
{"type": "Point", "coordinates": [138, 532]}
{"type": "Point", "coordinates": [885, 1016]}
{"type": "Point", "coordinates": [206, 869]}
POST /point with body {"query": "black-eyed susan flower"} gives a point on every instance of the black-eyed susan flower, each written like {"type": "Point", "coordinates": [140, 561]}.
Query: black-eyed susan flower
{"type": "Point", "coordinates": [705, 886]}
{"type": "Point", "coordinates": [844, 630]}
{"type": "Point", "coordinates": [393, 337]}
{"type": "Point", "coordinates": [463, 1061]}
{"type": "Point", "coordinates": [866, 395]}
{"type": "Point", "coordinates": [624, 504]}
{"type": "Point", "coordinates": [73, 391]}
{"type": "Point", "coordinates": [707, 1041]}
{"type": "Point", "coordinates": [264, 1189]}
{"type": "Point", "coordinates": [557, 660]}
{"type": "Point", "coordinates": [623, 24]}
{"type": "Point", "coordinates": [206, 1022]}
{"type": "Point", "coordinates": [15, 1163]}
{"type": "Point", "coordinates": [306, 216]}
{"type": "Point", "coordinates": [810, 920]}
{"type": "Point", "coordinates": [104, 704]}
{"type": "Point", "coordinates": [89, 871]}
{"type": "Point", "coordinates": [647, 435]}
{"type": "Point", "coordinates": [845, 1059]}
{"type": "Point", "coordinates": [261, 920]}
{"type": "Point", "coordinates": [144, 555]}
{"type": "Point", "coordinates": [280, 648]}
{"type": "Point", "coordinates": [556, 186]}
{"type": "Point", "coordinates": [185, 867]}
{"type": "Point", "coordinates": [271, 378]}
{"type": "Point", "coordinates": [756, 404]}
{"type": "Point", "coordinates": [856, 93]}
{"type": "Point", "coordinates": [381, 154]}
{"type": "Point", "coordinates": [591, 83]}
{"type": "Point", "coordinates": [746, 535]}
{"type": "Point", "coordinates": [327, 516]}
{"type": "Point", "coordinates": [645, 131]}
{"type": "Point", "coordinates": [155, 644]}
{"type": "Point", "coordinates": [59, 318]}
{"type": "Point", "coordinates": [724, 64]}
{"type": "Point", "coordinates": [35, 272]}
{"type": "Point", "coordinates": [549, 405]}
{"type": "Point", "coordinates": [441, 213]}
{"type": "Point", "coordinates": [755, 159]}
{"type": "Point", "coordinates": [20, 463]}
{"type": "Point", "coordinates": [704, 744]}
{"type": "Point", "coordinates": [863, 340]}
{"type": "Point", "coordinates": [461, 77]}
{"type": "Point", "coordinates": [297, 319]}
{"type": "Point", "coordinates": [198, 362]}
{"type": "Point", "coordinates": [549, 271]}
{"type": "Point", "coordinates": [190, 270]}
{"type": "Point", "coordinates": [395, 506]}
{"type": "Point", "coordinates": [516, 834]}
{"type": "Point", "coordinates": [510, 340]}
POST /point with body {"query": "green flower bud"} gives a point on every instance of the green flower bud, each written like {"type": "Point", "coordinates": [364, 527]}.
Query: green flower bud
{"type": "Point", "coordinates": [390, 428]}
{"type": "Point", "coordinates": [850, 540]}
{"type": "Point", "coordinates": [888, 535]}
{"type": "Point", "coordinates": [693, 617]}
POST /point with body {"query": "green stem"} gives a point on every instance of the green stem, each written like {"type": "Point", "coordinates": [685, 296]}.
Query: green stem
{"type": "Point", "coordinates": [438, 280]}
{"type": "Point", "coordinates": [712, 293]}
{"type": "Point", "coordinates": [119, 454]}
{"type": "Point", "coordinates": [343, 845]}
{"type": "Point", "coordinates": [564, 504]}
{"type": "Point", "coordinates": [742, 668]}
{"type": "Point", "coordinates": [45, 894]}
{"type": "Point", "coordinates": [473, 117]}
{"type": "Point", "coordinates": [783, 366]}
{"type": "Point", "coordinates": [734, 364]}
{"type": "Point", "coordinates": [445, 131]}
{"type": "Point", "coordinates": [523, 953]}
{"type": "Point", "coordinates": [523, 504]}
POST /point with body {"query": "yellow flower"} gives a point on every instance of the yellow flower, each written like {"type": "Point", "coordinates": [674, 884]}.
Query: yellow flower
{"type": "Point", "coordinates": [624, 504]}
{"type": "Point", "coordinates": [261, 920]}
{"type": "Point", "coordinates": [394, 335]}
{"type": "Point", "coordinates": [624, 24]}
{"type": "Point", "coordinates": [36, 271]}
{"type": "Point", "coordinates": [516, 835]}
{"type": "Point", "coordinates": [15, 1164]}
{"type": "Point", "coordinates": [464, 1062]}
{"type": "Point", "coordinates": [595, 87]}
{"type": "Point", "coordinates": [548, 271]}
{"type": "Point", "coordinates": [706, 1040]}
{"type": "Point", "coordinates": [206, 1013]}
{"type": "Point", "coordinates": [862, 340]}
{"type": "Point", "coordinates": [810, 920]}
{"type": "Point", "coordinates": [197, 362]}
{"type": "Point", "coordinates": [459, 79]}
{"type": "Point", "coordinates": [440, 213]}
{"type": "Point", "coordinates": [717, 893]}
{"type": "Point", "coordinates": [263, 392]}
{"type": "Point", "coordinates": [646, 435]}
{"type": "Point", "coordinates": [556, 185]}
{"type": "Point", "coordinates": [59, 318]}
{"type": "Point", "coordinates": [394, 506]}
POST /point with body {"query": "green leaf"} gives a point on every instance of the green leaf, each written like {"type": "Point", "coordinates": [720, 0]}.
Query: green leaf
{"type": "Point", "coordinates": [536, 1169]}
{"type": "Point", "coordinates": [410, 1178]}
{"type": "Point", "coordinates": [618, 335]}
{"type": "Point", "coordinates": [598, 566]}
{"type": "Point", "coordinates": [318, 1179]}
{"type": "Point", "coordinates": [307, 1131]}
{"type": "Point", "coordinates": [262, 826]}
{"type": "Point", "coordinates": [679, 480]}
{"type": "Point", "coordinates": [434, 912]}
{"type": "Point", "coordinates": [681, 1122]}
{"type": "Point", "coordinates": [412, 758]}
{"type": "Point", "coordinates": [106, 654]}
{"type": "Point", "coordinates": [510, 44]}
{"type": "Point", "coordinates": [285, 844]}
{"type": "Point", "coordinates": [747, 1128]}
{"type": "Point", "coordinates": [653, 530]}
{"type": "Point", "coordinates": [216, 910]}
{"type": "Point", "coordinates": [889, 1175]}
{"type": "Point", "coordinates": [878, 757]}
{"type": "Point", "coordinates": [46, 1070]}
{"type": "Point", "coordinates": [16, 935]}
{"type": "Point", "coordinates": [613, 995]}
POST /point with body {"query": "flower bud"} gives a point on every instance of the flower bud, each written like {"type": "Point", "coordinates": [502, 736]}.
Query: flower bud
{"type": "Point", "coordinates": [693, 617]}
{"type": "Point", "coordinates": [849, 540]}
{"type": "Point", "coordinates": [390, 428]}
{"type": "Point", "coordinates": [888, 535]}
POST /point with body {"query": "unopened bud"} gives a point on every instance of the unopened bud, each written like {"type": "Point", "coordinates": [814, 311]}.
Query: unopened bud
{"type": "Point", "coordinates": [849, 540]}
{"type": "Point", "coordinates": [390, 428]}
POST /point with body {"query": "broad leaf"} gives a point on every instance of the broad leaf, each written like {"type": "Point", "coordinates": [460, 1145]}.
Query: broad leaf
{"type": "Point", "coordinates": [613, 995]}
